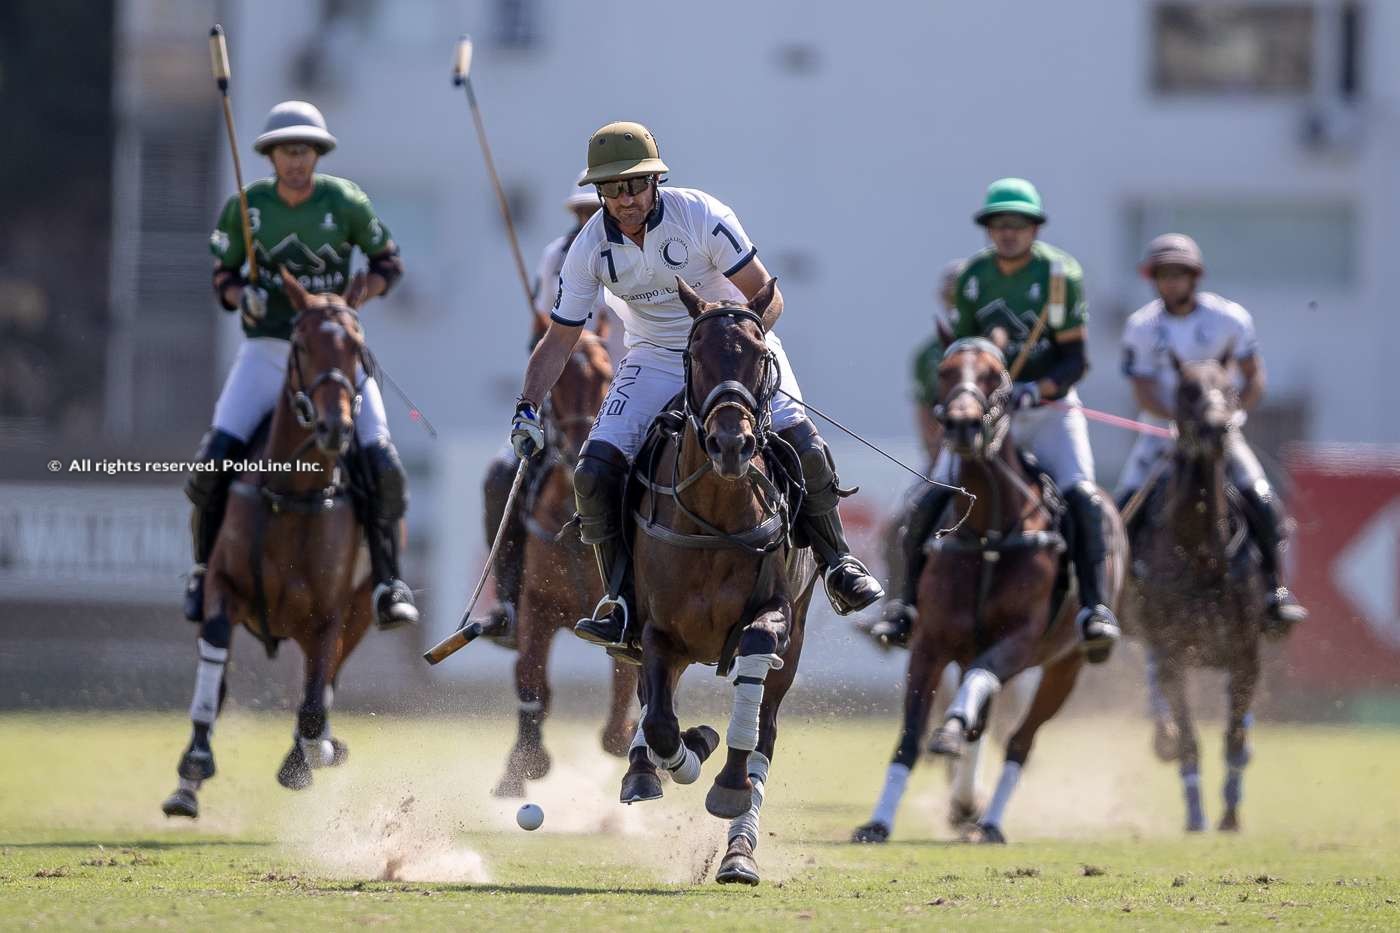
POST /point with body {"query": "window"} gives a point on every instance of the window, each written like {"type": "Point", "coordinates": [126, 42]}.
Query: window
{"type": "Point", "coordinates": [1212, 48]}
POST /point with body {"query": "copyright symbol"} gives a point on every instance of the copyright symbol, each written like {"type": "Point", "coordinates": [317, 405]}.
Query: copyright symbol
{"type": "Point", "coordinates": [55, 466]}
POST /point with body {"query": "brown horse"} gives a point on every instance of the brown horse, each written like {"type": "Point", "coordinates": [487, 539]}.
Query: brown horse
{"type": "Point", "coordinates": [1196, 594]}
{"type": "Point", "coordinates": [285, 562]}
{"type": "Point", "coordinates": [987, 595]}
{"type": "Point", "coordinates": [718, 579]}
{"type": "Point", "coordinates": [559, 575]}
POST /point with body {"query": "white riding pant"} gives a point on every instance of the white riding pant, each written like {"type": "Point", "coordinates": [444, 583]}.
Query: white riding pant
{"type": "Point", "coordinates": [648, 377]}
{"type": "Point", "coordinates": [1242, 467]}
{"type": "Point", "coordinates": [254, 384]}
{"type": "Point", "coordinates": [1057, 437]}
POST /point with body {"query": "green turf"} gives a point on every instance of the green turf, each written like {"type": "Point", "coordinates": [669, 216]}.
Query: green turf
{"type": "Point", "coordinates": [1095, 835]}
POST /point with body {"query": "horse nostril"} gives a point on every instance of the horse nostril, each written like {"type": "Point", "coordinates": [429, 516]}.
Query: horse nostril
{"type": "Point", "coordinates": [712, 447]}
{"type": "Point", "coordinates": [746, 451]}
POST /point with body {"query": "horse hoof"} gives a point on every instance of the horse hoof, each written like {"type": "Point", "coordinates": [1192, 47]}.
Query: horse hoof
{"type": "Point", "coordinates": [988, 834]}
{"type": "Point", "coordinates": [702, 740]}
{"type": "Point", "coordinates": [196, 764]}
{"type": "Point", "coordinates": [963, 816]}
{"type": "Point", "coordinates": [638, 786]}
{"type": "Point", "coordinates": [340, 753]}
{"type": "Point", "coordinates": [295, 773]}
{"type": "Point", "coordinates": [947, 740]}
{"type": "Point", "coordinates": [1166, 741]}
{"type": "Point", "coordinates": [870, 833]}
{"type": "Point", "coordinates": [727, 803]}
{"type": "Point", "coordinates": [510, 787]}
{"type": "Point", "coordinates": [1229, 823]}
{"type": "Point", "coordinates": [1193, 826]}
{"type": "Point", "coordinates": [738, 866]}
{"type": "Point", "coordinates": [181, 803]}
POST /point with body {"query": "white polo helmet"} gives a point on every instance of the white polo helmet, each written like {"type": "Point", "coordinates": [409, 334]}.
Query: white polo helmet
{"type": "Point", "coordinates": [295, 121]}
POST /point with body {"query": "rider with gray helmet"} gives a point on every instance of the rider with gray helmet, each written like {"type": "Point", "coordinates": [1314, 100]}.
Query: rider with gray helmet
{"type": "Point", "coordinates": [310, 224]}
{"type": "Point", "coordinates": [1198, 325]}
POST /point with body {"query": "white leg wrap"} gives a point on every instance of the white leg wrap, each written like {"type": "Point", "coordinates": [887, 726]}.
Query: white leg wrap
{"type": "Point", "coordinates": [1010, 775]}
{"type": "Point", "coordinates": [747, 825]}
{"type": "Point", "coordinates": [750, 670]}
{"type": "Point", "coordinates": [318, 751]}
{"type": "Point", "coordinates": [978, 686]}
{"type": "Point", "coordinates": [684, 765]}
{"type": "Point", "coordinates": [965, 773]}
{"type": "Point", "coordinates": [639, 739]}
{"type": "Point", "coordinates": [204, 708]}
{"type": "Point", "coordinates": [896, 777]}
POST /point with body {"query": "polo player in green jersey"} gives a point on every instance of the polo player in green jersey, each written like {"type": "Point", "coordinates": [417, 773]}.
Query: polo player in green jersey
{"type": "Point", "coordinates": [311, 224]}
{"type": "Point", "coordinates": [1001, 295]}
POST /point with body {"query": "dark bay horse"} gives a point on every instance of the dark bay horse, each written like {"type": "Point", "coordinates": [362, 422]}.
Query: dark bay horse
{"type": "Point", "coordinates": [285, 564]}
{"type": "Point", "coordinates": [559, 576]}
{"type": "Point", "coordinates": [718, 580]}
{"type": "Point", "coordinates": [987, 595]}
{"type": "Point", "coordinates": [1197, 594]}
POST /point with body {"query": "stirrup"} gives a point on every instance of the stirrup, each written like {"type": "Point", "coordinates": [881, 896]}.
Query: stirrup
{"type": "Point", "coordinates": [601, 612]}
{"type": "Point", "coordinates": [852, 563]}
{"type": "Point", "coordinates": [399, 611]}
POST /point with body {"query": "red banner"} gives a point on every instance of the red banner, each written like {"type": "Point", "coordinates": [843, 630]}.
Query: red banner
{"type": "Point", "coordinates": [1346, 566]}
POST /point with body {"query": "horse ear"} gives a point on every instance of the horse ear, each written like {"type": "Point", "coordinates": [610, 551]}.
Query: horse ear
{"type": "Point", "coordinates": [763, 297]}
{"type": "Point", "coordinates": [357, 292]}
{"type": "Point", "coordinates": [298, 296]}
{"type": "Point", "coordinates": [539, 324]}
{"type": "Point", "coordinates": [1176, 361]}
{"type": "Point", "coordinates": [689, 298]}
{"type": "Point", "coordinates": [604, 326]}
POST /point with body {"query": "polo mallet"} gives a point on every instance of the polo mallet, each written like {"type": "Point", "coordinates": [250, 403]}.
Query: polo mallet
{"type": "Point", "coordinates": [461, 77]}
{"type": "Point", "coordinates": [218, 53]}
{"type": "Point", "coordinates": [468, 632]}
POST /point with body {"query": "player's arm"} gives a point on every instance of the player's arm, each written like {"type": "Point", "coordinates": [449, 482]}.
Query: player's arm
{"type": "Point", "coordinates": [1252, 368]}
{"type": "Point", "coordinates": [370, 234]}
{"type": "Point", "coordinates": [1070, 365]}
{"type": "Point", "coordinates": [385, 268]}
{"type": "Point", "coordinates": [578, 293]}
{"type": "Point", "coordinates": [1148, 398]}
{"type": "Point", "coordinates": [226, 243]}
{"type": "Point", "coordinates": [548, 359]}
{"type": "Point", "coordinates": [749, 280]}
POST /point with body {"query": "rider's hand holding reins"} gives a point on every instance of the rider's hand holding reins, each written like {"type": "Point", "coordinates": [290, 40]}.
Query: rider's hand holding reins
{"type": "Point", "coordinates": [1025, 395]}
{"type": "Point", "coordinates": [252, 305]}
{"type": "Point", "coordinates": [526, 434]}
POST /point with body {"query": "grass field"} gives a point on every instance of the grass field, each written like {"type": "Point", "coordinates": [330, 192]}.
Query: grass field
{"type": "Point", "coordinates": [83, 842]}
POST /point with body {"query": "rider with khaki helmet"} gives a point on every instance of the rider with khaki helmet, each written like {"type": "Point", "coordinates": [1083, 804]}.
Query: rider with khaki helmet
{"type": "Point", "coordinates": [1192, 325]}
{"type": "Point", "coordinates": [644, 238]}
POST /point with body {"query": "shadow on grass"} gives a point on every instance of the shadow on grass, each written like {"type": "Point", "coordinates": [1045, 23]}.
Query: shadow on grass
{"type": "Point", "coordinates": [134, 844]}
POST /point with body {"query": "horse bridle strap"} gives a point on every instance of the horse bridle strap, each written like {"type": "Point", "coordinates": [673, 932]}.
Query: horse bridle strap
{"type": "Point", "coordinates": [747, 401]}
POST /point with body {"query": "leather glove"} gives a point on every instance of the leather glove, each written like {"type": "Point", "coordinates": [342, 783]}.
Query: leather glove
{"type": "Point", "coordinates": [526, 434]}
{"type": "Point", "coordinates": [252, 305]}
{"type": "Point", "coordinates": [1025, 395]}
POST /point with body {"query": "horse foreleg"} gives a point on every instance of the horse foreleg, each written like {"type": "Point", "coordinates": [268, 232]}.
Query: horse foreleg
{"type": "Point", "coordinates": [618, 730]}
{"type": "Point", "coordinates": [658, 742]}
{"type": "Point", "coordinates": [535, 628]}
{"type": "Point", "coordinates": [1244, 676]}
{"type": "Point", "coordinates": [757, 654]}
{"type": "Point", "coordinates": [311, 740]}
{"type": "Point", "coordinates": [1172, 679]}
{"type": "Point", "coordinates": [210, 688]}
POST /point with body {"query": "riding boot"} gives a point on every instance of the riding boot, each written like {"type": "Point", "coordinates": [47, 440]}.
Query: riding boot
{"type": "Point", "coordinates": [1096, 621]}
{"type": "Point", "coordinates": [849, 586]}
{"type": "Point", "coordinates": [896, 621]}
{"type": "Point", "coordinates": [208, 491]}
{"type": "Point", "coordinates": [392, 599]}
{"type": "Point", "coordinates": [499, 624]}
{"type": "Point", "coordinates": [599, 481]}
{"type": "Point", "coordinates": [1265, 520]}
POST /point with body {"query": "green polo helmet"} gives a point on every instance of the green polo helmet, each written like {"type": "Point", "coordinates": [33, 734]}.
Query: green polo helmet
{"type": "Point", "coordinates": [621, 150]}
{"type": "Point", "coordinates": [1011, 196]}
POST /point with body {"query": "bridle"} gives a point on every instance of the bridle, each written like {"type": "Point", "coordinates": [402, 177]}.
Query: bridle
{"type": "Point", "coordinates": [731, 393]}
{"type": "Point", "coordinates": [996, 421]}
{"type": "Point", "coordinates": [299, 399]}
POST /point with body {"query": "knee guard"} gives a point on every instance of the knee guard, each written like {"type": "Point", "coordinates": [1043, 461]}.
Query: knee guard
{"type": "Point", "coordinates": [1089, 549]}
{"type": "Point", "coordinates": [205, 487]}
{"type": "Point", "coordinates": [818, 468]}
{"type": "Point", "coordinates": [598, 483]}
{"type": "Point", "coordinates": [390, 482]}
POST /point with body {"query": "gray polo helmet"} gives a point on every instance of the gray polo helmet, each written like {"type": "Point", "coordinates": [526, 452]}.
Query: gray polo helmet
{"type": "Point", "coordinates": [294, 121]}
{"type": "Point", "coordinates": [1172, 249]}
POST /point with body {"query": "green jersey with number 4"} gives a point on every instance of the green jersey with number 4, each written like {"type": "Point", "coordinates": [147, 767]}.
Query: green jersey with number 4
{"type": "Point", "coordinates": [988, 299]}
{"type": "Point", "coordinates": [314, 240]}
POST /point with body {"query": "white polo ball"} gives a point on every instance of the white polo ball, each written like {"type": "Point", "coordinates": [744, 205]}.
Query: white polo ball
{"type": "Point", "coordinates": [530, 816]}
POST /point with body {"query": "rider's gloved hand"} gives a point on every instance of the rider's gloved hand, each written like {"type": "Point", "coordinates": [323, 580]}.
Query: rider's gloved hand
{"type": "Point", "coordinates": [526, 434]}
{"type": "Point", "coordinates": [252, 305]}
{"type": "Point", "coordinates": [1025, 395]}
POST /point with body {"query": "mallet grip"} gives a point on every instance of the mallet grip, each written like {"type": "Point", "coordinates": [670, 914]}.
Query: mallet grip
{"type": "Point", "coordinates": [462, 64]}
{"type": "Point", "coordinates": [218, 54]}
{"type": "Point", "coordinates": [453, 643]}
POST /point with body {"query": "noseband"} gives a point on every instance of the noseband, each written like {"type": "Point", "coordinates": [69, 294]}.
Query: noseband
{"type": "Point", "coordinates": [995, 422]}
{"type": "Point", "coordinates": [302, 406]}
{"type": "Point", "coordinates": [753, 404]}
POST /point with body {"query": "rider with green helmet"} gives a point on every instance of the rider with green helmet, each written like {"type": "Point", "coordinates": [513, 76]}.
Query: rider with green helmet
{"type": "Point", "coordinates": [1002, 293]}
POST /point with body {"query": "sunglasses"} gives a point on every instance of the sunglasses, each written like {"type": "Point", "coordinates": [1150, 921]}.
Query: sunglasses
{"type": "Point", "coordinates": [1009, 223]}
{"type": "Point", "coordinates": [632, 186]}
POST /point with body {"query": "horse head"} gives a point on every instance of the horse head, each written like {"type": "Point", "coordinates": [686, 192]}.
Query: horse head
{"type": "Point", "coordinates": [1206, 402]}
{"type": "Point", "coordinates": [578, 395]}
{"type": "Point", "coordinates": [973, 390]}
{"type": "Point", "coordinates": [327, 347]}
{"type": "Point", "coordinates": [730, 377]}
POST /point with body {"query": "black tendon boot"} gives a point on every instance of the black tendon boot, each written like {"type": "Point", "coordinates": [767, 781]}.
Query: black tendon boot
{"type": "Point", "coordinates": [1097, 623]}
{"type": "Point", "coordinates": [392, 599]}
{"type": "Point", "coordinates": [896, 621]}
{"type": "Point", "coordinates": [599, 479]}
{"type": "Point", "coordinates": [208, 491]}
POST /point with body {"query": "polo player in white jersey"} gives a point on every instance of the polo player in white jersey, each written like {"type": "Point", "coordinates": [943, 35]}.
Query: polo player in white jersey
{"type": "Point", "coordinates": [1197, 325]}
{"type": "Point", "coordinates": [643, 239]}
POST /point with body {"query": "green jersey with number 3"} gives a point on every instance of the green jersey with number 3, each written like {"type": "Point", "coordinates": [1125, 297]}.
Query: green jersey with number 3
{"type": "Point", "coordinates": [314, 240]}
{"type": "Point", "coordinates": [988, 299]}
